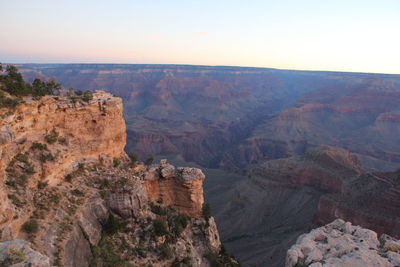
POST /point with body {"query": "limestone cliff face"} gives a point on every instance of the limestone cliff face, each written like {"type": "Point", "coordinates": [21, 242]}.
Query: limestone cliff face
{"type": "Point", "coordinates": [72, 133]}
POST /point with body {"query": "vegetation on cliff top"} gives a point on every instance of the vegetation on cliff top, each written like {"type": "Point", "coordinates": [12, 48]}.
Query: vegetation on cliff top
{"type": "Point", "coordinates": [13, 83]}
{"type": "Point", "coordinates": [13, 87]}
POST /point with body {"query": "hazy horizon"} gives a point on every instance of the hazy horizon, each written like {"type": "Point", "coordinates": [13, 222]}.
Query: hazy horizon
{"type": "Point", "coordinates": [344, 36]}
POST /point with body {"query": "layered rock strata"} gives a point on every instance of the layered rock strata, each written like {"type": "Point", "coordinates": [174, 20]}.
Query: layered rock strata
{"type": "Point", "coordinates": [182, 188]}
{"type": "Point", "coordinates": [68, 188]}
{"type": "Point", "coordinates": [62, 134]}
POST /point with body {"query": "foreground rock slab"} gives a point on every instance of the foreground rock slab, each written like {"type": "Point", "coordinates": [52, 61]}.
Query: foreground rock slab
{"type": "Point", "coordinates": [18, 253]}
{"type": "Point", "coordinates": [342, 244]}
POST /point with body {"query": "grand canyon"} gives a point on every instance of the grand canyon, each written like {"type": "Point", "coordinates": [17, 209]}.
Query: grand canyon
{"type": "Point", "coordinates": [283, 151]}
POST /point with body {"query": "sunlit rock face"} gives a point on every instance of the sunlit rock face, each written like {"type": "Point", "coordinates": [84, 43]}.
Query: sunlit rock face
{"type": "Point", "coordinates": [68, 188]}
{"type": "Point", "coordinates": [182, 187]}
{"type": "Point", "coordinates": [79, 132]}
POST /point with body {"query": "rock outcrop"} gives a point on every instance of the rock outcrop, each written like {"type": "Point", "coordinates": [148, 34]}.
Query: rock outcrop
{"type": "Point", "coordinates": [18, 253]}
{"type": "Point", "coordinates": [342, 244]}
{"type": "Point", "coordinates": [62, 134]}
{"type": "Point", "coordinates": [68, 187]}
{"type": "Point", "coordinates": [181, 188]}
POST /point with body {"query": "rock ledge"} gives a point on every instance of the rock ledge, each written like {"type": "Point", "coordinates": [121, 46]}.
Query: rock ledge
{"type": "Point", "coordinates": [342, 244]}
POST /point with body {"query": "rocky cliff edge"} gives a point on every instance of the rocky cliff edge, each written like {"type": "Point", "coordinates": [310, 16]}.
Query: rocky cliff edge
{"type": "Point", "coordinates": [342, 244]}
{"type": "Point", "coordinates": [67, 187]}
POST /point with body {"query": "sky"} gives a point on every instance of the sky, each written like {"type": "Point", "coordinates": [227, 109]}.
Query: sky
{"type": "Point", "coordinates": [339, 35]}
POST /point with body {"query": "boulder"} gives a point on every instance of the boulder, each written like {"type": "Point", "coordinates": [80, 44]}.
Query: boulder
{"type": "Point", "coordinates": [18, 253]}
{"type": "Point", "coordinates": [342, 244]}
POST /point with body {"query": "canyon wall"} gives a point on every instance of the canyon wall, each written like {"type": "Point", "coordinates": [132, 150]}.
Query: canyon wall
{"type": "Point", "coordinates": [258, 126]}
{"type": "Point", "coordinates": [68, 188]}
{"type": "Point", "coordinates": [75, 132]}
{"type": "Point", "coordinates": [282, 198]}
{"type": "Point", "coordinates": [233, 117]}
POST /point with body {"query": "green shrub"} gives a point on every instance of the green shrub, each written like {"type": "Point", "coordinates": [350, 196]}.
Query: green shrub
{"type": "Point", "coordinates": [70, 92]}
{"type": "Point", "coordinates": [68, 178]}
{"type": "Point", "coordinates": [181, 220]}
{"type": "Point", "coordinates": [106, 254]}
{"type": "Point", "coordinates": [40, 88]}
{"type": "Point", "coordinates": [22, 157]}
{"type": "Point", "coordinates": [8, 102]}
{"type": "Point", "coordinates": [21, 180]}
{"type": "Point", "coordinates": [42, 185]}
{"type": "Point", "coordinates": [87, 96]}
{"type": "Point", "coordinates": [116, 162]}
{"type": "Point", "coordinates": [113, 225]}
{"type": "Point", "coordinates": [395, 249]}
{"type": "Point", "coordinates": [81, 167]}
{"type": "Point", "coordinates": [13, 256]}
{"type": "Point", "coordinates": [78, 92]}
{"type": "Point", "coordinates": [51, 137]}
{"type": "Point", "coordinates": [133, 157]}
{"type": "Point", "coordinates": [43, 157]}
{"type": "Point", "coordinates": [38, 146]}
{"type": "Point", "coordinates": [62, 140]}
{"type": "Point", "coordinates": [149, 160]}
{"type": "Point", "coordinates": [206, 211]}
{"type": "Point", "coordinates": [104, 183]}
{"type": "Point", "coordinates": [178, 223]}
{"type": "Point", "coordinates": [15, 200]}
{"type": "Point", "coordinates": [121, 182]}
{"type": "Point", "coordinates": [31, 226]}
{"type": "Point", "coordinates": [29, 168]}
{"type": "Point", "coordinates": [160, 227]}
{"type": "Point", "coordinates": [157, 209]}
{"type": "Point", "coordinates": [77, 192]}
{"type": "Point", "coordinates": [14, 84]}
{"type": "Point", "coordinates": [10, 183]}
{"type": "Point", "coordinates": [165, 251]}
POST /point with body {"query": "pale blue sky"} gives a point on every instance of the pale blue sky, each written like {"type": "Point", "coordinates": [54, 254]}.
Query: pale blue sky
{"type": "Point", "coordinates": [339, 35]}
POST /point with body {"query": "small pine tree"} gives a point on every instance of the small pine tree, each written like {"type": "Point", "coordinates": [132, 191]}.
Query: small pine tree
{"type": "Point", "coordinates": [149, 160]}
{"type": "Point", "coordinates": [78, 92]}
{"type": "Point", "coordinates": [87, 96]}
{"type": "Point", "coordinates": [14, 83]}
{"type": "Point", "coordinates": [133, 157]}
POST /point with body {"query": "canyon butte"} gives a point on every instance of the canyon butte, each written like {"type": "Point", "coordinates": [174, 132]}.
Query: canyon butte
{"type": "Point", "coordinates": [283, 151]}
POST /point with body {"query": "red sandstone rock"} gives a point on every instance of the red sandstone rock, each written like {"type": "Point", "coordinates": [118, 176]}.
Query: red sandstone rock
{"type": "Point", "coordinates": [181, 188]}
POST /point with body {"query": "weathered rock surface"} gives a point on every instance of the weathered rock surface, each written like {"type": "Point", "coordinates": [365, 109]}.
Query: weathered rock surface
{"type": "Point", "coordinates": [18, 253]}
{"type": "Point", "coordinates": [182, 188]}
{"type": "Point", "coordinates": [131, 203]}
{"type": "Point", "coordinates": [67, 186]}
{"type": "Point", "coordinates": [83, 132]}
{"type": "Point", "coordinates": [342, 244]}
{"type": "Point", "coordinates": [91, 218]}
